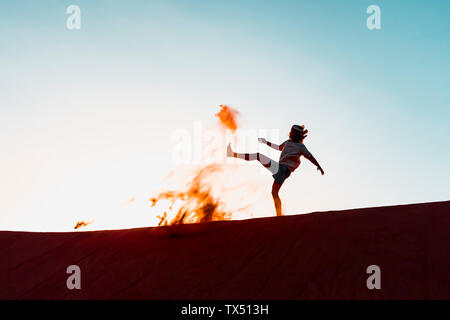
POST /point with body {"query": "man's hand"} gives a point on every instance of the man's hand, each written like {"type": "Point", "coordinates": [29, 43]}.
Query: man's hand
{"type": "Point", "coordinates": [321, 170]}
{"type": "Point", "coordinates": [262, 140]}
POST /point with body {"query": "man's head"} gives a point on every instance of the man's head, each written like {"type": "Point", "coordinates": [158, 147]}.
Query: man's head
{"type": "Point", "coordinates": [298, 133]}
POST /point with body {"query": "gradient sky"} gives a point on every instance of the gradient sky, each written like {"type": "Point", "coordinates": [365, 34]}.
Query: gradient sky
{"type": "Point", "coordinates": [87, 115]}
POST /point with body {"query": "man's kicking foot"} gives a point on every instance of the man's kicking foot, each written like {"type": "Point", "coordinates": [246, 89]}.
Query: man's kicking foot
{"type": "Point", "coordinates": [230, 152]}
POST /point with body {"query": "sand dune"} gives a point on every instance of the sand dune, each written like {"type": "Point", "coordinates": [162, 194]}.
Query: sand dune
{"type": "Point", "coordinates": [314, 256]}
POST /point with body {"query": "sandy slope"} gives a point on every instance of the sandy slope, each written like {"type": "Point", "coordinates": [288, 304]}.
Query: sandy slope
{"type": "Point", "coordinates": [318, 255]}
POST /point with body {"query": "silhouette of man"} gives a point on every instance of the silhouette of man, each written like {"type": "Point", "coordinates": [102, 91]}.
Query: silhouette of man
{"type": "Point", "coordinates": [291, 151]}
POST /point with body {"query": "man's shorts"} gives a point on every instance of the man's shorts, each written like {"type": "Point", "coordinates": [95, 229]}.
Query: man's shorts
{"type": "Point", "coordinates": [282, 174]}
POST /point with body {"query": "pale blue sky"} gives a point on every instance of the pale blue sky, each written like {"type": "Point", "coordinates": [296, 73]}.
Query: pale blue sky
{"type": "Point", "coordinates": [79, 108]}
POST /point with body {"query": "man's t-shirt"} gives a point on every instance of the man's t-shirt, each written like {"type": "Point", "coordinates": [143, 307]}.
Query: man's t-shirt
{"type": "Point", "coordinates": [290, 156]}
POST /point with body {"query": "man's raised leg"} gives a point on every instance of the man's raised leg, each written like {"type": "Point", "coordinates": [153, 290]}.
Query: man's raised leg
{"type": "Point", "coordinates": [265, 161]}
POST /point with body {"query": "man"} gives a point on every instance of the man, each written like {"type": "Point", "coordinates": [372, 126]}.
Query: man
{"type": "Point", "coordinates": [291, 151]}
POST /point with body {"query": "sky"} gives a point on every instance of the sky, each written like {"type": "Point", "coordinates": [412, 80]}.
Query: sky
{"type": "Point", "coordinates": [88, 115]}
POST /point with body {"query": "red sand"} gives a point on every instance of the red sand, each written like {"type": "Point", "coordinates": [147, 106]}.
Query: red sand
{"type": "Point", "coordinates": [313, 256]}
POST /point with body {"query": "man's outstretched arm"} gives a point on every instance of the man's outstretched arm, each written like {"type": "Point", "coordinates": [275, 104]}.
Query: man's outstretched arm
{"type": "Point", "coordinates": [311, 158]}
{"type": "Point", "coordinates": [272, 145]}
